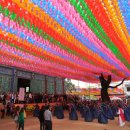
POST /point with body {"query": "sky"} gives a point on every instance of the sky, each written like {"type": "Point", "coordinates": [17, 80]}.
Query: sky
{"type": "Point", "coordinates": [87, 85]}
{"type": "Point", "coordinates": [83, 84]}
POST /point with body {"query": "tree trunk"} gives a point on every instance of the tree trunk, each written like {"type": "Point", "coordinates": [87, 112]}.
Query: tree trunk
{"type": "Point", "coordinates": [104, 95]}
{"type": "Point", "coordinates": [105, 85]}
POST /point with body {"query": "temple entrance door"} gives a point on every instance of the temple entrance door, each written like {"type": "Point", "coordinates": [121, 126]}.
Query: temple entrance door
{"type": "Point", "coordinates": [24, 83]}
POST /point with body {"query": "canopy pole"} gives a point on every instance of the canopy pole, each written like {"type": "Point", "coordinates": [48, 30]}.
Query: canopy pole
{"type": "Point", "coordinates": [89, 91]}
{"type": "Point", "coordinates": [78, 85]}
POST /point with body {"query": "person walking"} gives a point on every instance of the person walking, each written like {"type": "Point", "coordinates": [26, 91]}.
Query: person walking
{"type": "Point", "coordinates": [8, 107]}
{"type": "Point", "coordinates": [2, 111]}
{"type": "Point", "coordinates": [16, 114]}
{"type": "Point", "coordinates": [41, 117]}
{"type": "Point", "coordinates": [21, 119]}
{"type": "Point", "coordinates": [48, 118]}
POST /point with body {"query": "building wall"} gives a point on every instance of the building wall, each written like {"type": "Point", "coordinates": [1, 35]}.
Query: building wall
{"type": "Point", "coordinates": [127, 90]}
{"type": "Point", "coordinates": [50, 85]}
{"type": "Point", "coordinates": [39, 83]}
{"type": "Point", "coordinates": [5, 83]}
{"type": "Point", "coordinates": [37, 86]}
{"type": "Point", "coordinates": [5, 79]}
{"type": "Point", "coordinates": [59, 84]}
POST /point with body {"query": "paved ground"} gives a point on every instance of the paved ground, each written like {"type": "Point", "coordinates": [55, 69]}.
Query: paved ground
{"type": "Point", "coordinates": [32, 123]}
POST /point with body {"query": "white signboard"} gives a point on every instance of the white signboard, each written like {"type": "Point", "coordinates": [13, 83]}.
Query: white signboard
{"type": "Point", "coordinates": [21, 94]}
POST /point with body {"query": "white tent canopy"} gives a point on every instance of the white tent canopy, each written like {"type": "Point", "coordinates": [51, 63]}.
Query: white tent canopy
{"type": "Point", "coordinates": [115, 98]}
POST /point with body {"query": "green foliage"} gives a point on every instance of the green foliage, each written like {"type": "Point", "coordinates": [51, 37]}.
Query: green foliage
{"type": "Point", "coordinates": [70, 87]}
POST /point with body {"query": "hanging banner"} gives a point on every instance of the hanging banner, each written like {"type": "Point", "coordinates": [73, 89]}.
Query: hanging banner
{"type": "Point", "coordinates": [21, 94]}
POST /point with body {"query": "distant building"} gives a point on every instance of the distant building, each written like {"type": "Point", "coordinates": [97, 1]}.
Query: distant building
{"type": "Point", "coordinates": [127, 90]}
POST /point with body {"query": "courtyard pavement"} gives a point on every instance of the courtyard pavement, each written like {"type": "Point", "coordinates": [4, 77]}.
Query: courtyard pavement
{"type": "Point", "coordinates": [32, 123]}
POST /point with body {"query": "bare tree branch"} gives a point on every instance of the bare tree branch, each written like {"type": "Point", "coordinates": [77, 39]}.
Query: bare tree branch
{"type": "Point", "coordinates": [118, 84]}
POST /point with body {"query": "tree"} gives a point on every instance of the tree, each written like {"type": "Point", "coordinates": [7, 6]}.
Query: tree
{"type": "Point", "coordinates": [69, 86]}
{"type": "Point", "coordinates": [105, 84]}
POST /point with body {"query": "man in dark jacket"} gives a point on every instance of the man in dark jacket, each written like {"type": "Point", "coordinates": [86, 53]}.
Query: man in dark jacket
{"type": "Point", "coordinates": [41, 117]}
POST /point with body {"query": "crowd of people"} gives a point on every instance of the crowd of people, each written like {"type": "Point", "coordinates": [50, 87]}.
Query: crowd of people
{"type": "Point", "coordinates": [30, 98]}
{"type": "Point", "coordinates": [91, 110]}
{"type": "Point", "coordinates": [88, 109]}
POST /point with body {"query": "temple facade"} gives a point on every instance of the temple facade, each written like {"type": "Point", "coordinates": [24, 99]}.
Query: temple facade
{"type": "Point", "coordinates": [11, 79]}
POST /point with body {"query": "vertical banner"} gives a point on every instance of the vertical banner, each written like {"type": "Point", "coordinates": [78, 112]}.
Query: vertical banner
{"type": "Point", "coordinates": [21, 94]}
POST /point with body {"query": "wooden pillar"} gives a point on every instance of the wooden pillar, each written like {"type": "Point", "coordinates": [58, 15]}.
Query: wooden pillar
{"type": "Point", "coordinates": [46, 85]}
{"type": "Point", "coordinates": [12, 80]}
{"type": "Point", "coordinates": [63, 85]}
